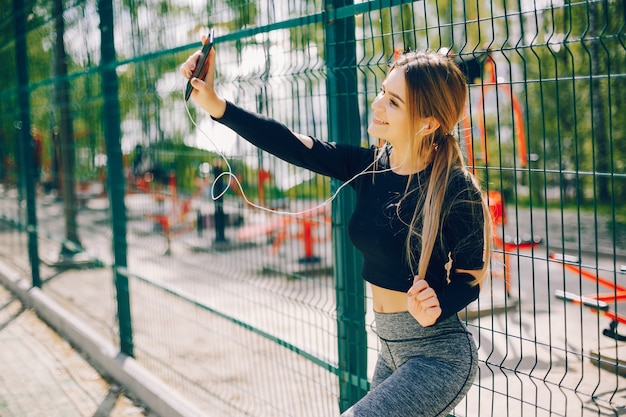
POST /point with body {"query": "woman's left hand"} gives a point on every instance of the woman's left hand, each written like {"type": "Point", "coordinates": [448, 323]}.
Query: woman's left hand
{"type": "Point", "coordinates": [423, 303]}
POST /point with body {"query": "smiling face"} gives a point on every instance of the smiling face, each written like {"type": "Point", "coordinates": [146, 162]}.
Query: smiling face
{"type": "Point", "coordinates": [421, 101]}
{"type": "Point", "coordinates": [391, 120]}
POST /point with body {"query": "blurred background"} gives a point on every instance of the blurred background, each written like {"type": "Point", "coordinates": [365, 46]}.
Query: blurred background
{"type": "Point", "coordinates": [112, 198]}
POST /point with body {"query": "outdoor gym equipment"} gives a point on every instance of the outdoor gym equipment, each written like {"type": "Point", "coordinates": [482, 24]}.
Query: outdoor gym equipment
{"type": "Point", "coordinates": [598, 303]}
{"type": "Point", "coordinates": [506, 244]}
{"type": "Point", "coordinates": [304, 227]}
{"type": "Point", "coordinates": [489, 83]}
{"type": "Point", "coordinates": [178, 218]}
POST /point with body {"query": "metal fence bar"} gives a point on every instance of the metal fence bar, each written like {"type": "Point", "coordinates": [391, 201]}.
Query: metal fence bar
{"type": "Point", "coordinates": [344, 124]}
{"type": "Point", "coordinates": [115, 171]}
{"type": "Point", "coordinates": [278, 341]}
{"type": "Point", "coordinates": [25, 143]}
{"type": "Point", "coordinates": [544, 133]}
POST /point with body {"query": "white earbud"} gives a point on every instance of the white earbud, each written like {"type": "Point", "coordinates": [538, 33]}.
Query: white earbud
{"type": "Point", "coordinates": [421, 130]}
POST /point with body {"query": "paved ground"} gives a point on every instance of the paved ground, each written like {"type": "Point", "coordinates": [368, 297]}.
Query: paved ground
{"type": "Point", "coordinates": [43, 376]}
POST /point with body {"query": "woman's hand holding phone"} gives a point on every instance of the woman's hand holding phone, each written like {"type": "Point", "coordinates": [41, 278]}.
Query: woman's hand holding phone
{"type": "Point", "coordinates": [199, 69]}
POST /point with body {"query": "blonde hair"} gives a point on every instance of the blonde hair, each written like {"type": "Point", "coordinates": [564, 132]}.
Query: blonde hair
{"type": "Point", "coordinates": [436, 88]}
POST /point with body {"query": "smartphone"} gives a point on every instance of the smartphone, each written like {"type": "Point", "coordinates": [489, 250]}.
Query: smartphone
{"type": "Point", "coordinates": [200, 71]}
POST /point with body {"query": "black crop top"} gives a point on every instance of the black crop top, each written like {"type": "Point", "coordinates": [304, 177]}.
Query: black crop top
{"type": "Point", "coordinates": [378, 226]}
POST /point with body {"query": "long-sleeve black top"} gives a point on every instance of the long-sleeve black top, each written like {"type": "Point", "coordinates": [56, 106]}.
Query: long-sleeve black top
{"type": "Point", "coordinates": [378, 226]}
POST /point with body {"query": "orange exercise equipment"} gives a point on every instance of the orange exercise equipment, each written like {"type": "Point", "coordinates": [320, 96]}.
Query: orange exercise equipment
{"type": "Point", "coordinates": [518, 119]}
{"type": "Point", "coordinates": [304, 228]}
{"type": "Point", "coordinates": [176, 220]}
{"type": "Point", "coordinates": [505, 244]}
{"type": "Point", "coordinates": [598, 303]}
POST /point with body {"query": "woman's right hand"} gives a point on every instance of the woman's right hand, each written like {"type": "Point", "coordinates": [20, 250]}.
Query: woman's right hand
{"type": "Point", "coordinates": [423, 303]}
{"type": "Point", "coordinates": [203, 92]}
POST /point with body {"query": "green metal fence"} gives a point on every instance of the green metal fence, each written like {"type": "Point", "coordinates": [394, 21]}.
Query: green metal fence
{"type": "Point", "coordinates": [109, 182]}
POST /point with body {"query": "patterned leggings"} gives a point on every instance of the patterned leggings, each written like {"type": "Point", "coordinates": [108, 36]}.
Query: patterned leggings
{"type": "Point", "coordinates": [421, 371]}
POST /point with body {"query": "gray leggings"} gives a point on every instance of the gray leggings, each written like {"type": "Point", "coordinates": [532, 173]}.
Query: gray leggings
{"type": "Point", "coordinates": [421, 371]}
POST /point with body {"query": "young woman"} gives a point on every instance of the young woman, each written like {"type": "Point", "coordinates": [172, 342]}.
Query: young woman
{"type": "Point", "coordinates": [420, 222]}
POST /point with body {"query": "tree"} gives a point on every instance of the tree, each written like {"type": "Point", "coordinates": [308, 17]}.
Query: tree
{"type": "Point", "coordinates": [578, 118]}
{"type": "Point", "coordinates": [66, 135]}
{"type": "Point", "coordinates": [8, 81]}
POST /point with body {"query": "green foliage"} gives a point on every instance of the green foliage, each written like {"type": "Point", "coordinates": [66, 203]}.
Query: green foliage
{"type": "Point", "coordinates": [571, 71]}
{"type": "Point", "coordinates": [315, 189]}
{"type": "Point", "coordinates": [185, 163]}
{"type": "Point", "coordinates": [576, 114]}
{"type": "Point", "coordinates": [39, 70]}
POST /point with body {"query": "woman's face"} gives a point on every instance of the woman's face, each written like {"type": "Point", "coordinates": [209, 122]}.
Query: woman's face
{"type": "Point", "coordinates": [391, 113]}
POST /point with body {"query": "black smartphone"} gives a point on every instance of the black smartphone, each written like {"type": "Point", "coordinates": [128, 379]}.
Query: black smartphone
{"type": "Point", "coordinates": [200, 72]}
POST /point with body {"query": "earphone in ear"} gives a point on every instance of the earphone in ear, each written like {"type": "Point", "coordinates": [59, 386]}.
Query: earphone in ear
{"type": "Point", "coordinates": [421, 129]}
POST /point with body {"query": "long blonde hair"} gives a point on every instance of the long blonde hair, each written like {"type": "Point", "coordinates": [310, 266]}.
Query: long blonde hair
{"type": "Point", "coordinates": [436, 88]}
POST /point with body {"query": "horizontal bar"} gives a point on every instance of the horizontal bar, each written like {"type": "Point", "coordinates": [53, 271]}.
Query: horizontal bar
{"type": "Point", "coordinates": [373, 5]}
{"type": "Point", "coordinates": [285, 24]}
{"type": "Point", "coordinates": [561, 257]}
{"type": "Point", "coordinates": [581, 299]}
{"type": "Point", "coordinates": [318, 361]}
{"type": "Point", "coordinates": [327, 15]}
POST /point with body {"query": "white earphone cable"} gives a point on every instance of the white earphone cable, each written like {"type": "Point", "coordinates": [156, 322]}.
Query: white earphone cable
{"type": "Point", "coordinates": [232, 177]}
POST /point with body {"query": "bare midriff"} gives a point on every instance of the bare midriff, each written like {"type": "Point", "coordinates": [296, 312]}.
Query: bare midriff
{"type": "Point", "coordinates": [388, 301]}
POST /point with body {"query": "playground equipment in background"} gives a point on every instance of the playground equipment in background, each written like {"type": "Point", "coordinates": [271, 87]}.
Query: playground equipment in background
{"type": "Point", "coordinates": [178, 217]}
{"type": "Point", "coordinates": [505, 244]}
{"type": "Point", "coordinates": [306, 227]}
{"type": "Point", "coordinates": [493, 82]}
{"type": "Point", "coordinates": [474, 67]}
{"type": "Point", "coordinates": [597, 303]}
{"type": "Point", "coordinates": [150, 181]}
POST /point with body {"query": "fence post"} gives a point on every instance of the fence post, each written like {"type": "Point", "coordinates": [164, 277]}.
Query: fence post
{"type": "Point", "coordinates": [345, 126]}
{"type": "Point", "coordinates": [115, 172]}
{"type": "Point", "coordinates": [25, 141]}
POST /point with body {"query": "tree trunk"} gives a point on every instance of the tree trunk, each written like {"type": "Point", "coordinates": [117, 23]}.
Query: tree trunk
{"type": "Point", "coordinates": [599, 135]}
{"type": "Point", "coordinates": [66, 132]}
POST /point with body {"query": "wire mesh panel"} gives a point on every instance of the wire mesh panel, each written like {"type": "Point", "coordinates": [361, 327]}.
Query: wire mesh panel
{"type": "Point", "coordinates": [248, 292]}
{"type": "Point", "coordinates": [232, 256]}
